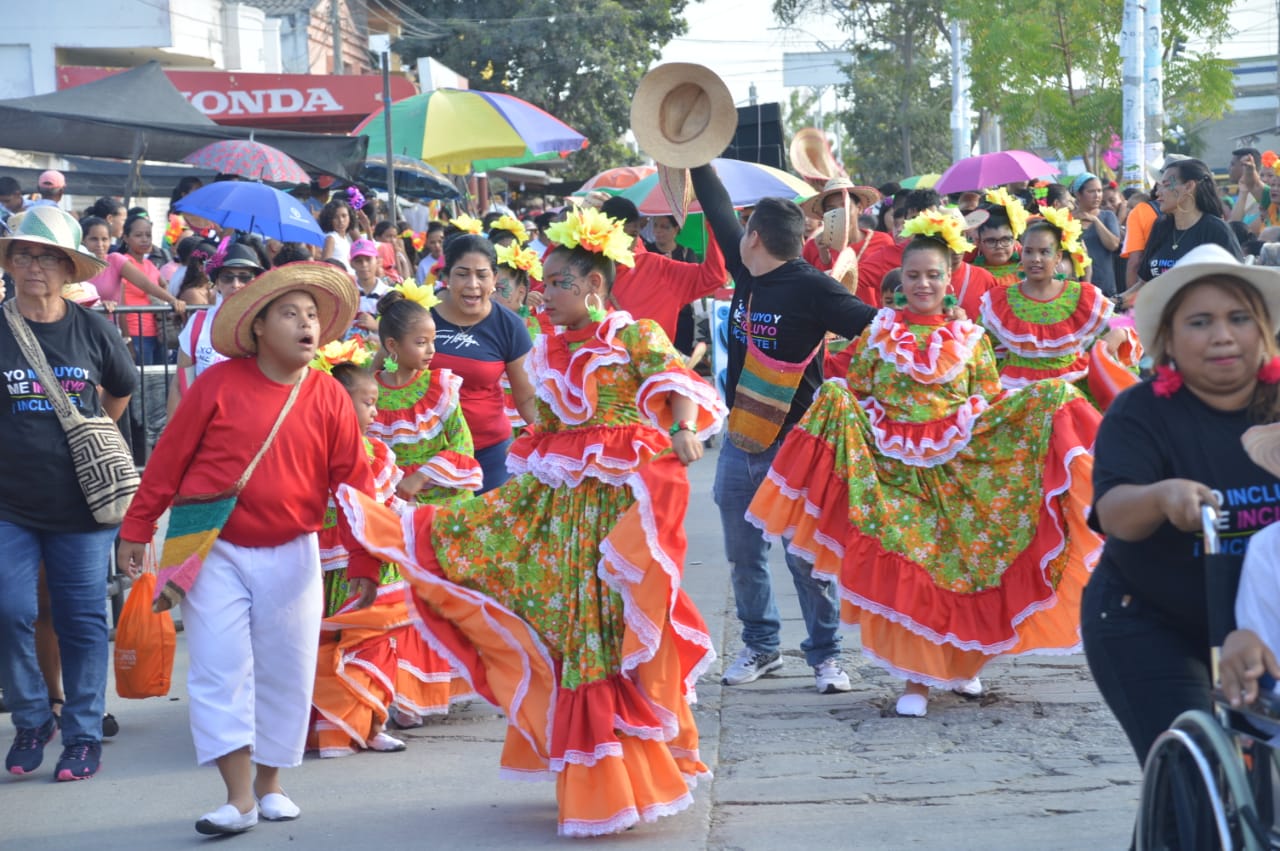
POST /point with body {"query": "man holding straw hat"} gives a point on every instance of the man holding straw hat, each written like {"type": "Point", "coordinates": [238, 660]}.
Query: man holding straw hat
{"type": "Point", "coordinates": [782, 309]}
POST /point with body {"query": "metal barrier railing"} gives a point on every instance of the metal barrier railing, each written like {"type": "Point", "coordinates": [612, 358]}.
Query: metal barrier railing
{"type": "Point", "coordinates": [147, 411]}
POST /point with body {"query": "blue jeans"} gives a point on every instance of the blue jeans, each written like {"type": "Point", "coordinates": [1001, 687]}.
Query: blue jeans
{"type": "Point", "coordinates": [75, 565]}
{"type": "Point", "coordinates": [493, 463]}
{"type": "Point", "coordinates": [738, 476]}
{"type": "Point", "coordinates": [148, 351]}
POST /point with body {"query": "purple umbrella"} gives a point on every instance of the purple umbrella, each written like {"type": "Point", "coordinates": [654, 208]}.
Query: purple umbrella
{"type": "Point", "coordinates": [249, 159]}
{"type": "Point", "coordinates": [987, 171]}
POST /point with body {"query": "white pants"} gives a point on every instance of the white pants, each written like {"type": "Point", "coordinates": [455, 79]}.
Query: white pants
{"type": "Point", "coordinates": [252, 622]}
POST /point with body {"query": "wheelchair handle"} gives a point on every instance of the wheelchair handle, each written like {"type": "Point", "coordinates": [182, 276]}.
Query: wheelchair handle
{"type": "Point", "coordinates": [1209, 525]}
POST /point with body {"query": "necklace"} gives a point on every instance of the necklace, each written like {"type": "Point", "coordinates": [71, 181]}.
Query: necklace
{"type": "Point", "coordinates": [1179, 234]}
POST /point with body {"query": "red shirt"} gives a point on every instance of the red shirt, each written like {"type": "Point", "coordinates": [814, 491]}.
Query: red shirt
{"type": "Point", "coordinates": [214, 434]}
{"type": "Point", "coordinates": [658, 286]}
{"type": "Point", "coordinates": [969, 283]}
{"type": "Point", "coordinates": [872, 242]}
{"type": "Point", "coordinates": [877, 263]}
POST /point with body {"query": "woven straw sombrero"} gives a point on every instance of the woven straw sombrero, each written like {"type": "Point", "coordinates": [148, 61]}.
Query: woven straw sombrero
{"type": "Point", "coordinates": [333, 291]}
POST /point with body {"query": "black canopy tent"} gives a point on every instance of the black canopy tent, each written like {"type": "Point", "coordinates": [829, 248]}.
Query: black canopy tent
{"type": "Point", "coordinates": [140, 115]}
{"type": "Point", "coordinates": [87, 177]}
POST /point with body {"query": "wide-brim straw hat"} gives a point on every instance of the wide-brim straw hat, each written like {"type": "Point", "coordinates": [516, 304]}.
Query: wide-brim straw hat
{"type": "Point", "coordinates": [864, 195]}
{"type": "Point", "coordinates": [834, 235]}
{"type": "Point", "coordinates": [333, 290]}
{"type": "Point", "coordinates": [1201, 262]}
{"type": "Point", "coordinates": [52, 228]}
{"type": "Point", "coordinates": [683, 115]}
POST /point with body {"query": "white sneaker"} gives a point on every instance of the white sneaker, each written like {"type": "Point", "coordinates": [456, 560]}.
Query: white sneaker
{"type": "Point", "coordinates": [830, 678]}
{"type": "Point", "coordinates": [973, 688]}
{"type": "Point", "coordinates": [750, 665]}
{"type": "Point", "coordinates": [226, 819]}
{"type": "Point", "coordinates": [384, 743]}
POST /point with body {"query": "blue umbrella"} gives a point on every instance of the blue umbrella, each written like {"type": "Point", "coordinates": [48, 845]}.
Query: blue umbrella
{"type": "Point", "coordinates": [254, 208]}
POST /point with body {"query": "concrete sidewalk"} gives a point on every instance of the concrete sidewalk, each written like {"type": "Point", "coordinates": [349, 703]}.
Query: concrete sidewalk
{"type": "Point", "coordinates": [1038, 762]}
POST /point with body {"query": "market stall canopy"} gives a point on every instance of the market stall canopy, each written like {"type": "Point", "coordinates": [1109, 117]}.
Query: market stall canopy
{"type": "Point", "coordinates": [139, 114]}
{"type": "Point", "coordinates": [87, 177]}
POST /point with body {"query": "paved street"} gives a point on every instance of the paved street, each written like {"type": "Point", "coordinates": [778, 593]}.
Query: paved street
{"type": "Point", "coordinates": [1038, 762]}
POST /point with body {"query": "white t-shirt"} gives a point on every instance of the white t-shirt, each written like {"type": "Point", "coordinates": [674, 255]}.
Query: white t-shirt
{"type": "Point", "coordinates": [1258, 600]}
{"type": "Point", "coordinates": [341, 247]}
{"type": "Point", "coordinates": [204, 355]}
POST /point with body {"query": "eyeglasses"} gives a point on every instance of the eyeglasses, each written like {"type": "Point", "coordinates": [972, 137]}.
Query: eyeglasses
{"type": "Point", "coordinates": [233, 278]}
{"type": "Point", "coordinates": [47, 262]}
{"type": "Point", "coordinates": [998, 242]}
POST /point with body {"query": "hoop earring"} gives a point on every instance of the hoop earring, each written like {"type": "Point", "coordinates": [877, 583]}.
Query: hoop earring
{"type": "Point", "coordinates": [595, 310]}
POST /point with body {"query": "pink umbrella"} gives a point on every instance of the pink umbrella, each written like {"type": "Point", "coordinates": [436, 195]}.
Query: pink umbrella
{"type": "Point", "coordinates": [614, 180]}
{"type": "Point", "coordinates": [986, 171]}
{"type": "Point", "coordinates": [249, 159]}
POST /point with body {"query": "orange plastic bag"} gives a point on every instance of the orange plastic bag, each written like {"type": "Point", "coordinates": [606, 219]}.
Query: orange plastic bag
{"type": "Point", "coordinates": [145, 644]}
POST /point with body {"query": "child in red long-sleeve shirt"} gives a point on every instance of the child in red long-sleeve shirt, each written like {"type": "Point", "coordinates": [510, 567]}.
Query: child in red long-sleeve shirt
{"type": "Point", "coordinates": [253, 612]}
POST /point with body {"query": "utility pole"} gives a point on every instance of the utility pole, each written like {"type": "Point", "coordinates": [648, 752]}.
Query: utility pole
{"type": "Point", "coordinates": [1153, 79]}
{"type": "Point", "coordinates": [1133, 94]}
{"type": "Point", "coordinates": [960, 136]}
{"type": "Point", "coordinates": [335, 24]}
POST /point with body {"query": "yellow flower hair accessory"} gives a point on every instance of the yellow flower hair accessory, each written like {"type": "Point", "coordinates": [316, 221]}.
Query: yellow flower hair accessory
{"type": "Point", "coordinates": [945, 225]}
{"type": "Point", "coordinates": [350, 351]}
{"type": "Point", "coordinates": [523, 259]}
{"type": "Point", "coordinates": [413, 291]}
{"type": "Point", "coordinates": [1071, 231]}
{"type": "Point", "coordinates": [512, 225]}
{"type": "Point", "coordinates": [1014, 210]}
{"type": "Point", "coordinates": [591, 229]}
{"type": "Point", "coordinates": [467, 224]}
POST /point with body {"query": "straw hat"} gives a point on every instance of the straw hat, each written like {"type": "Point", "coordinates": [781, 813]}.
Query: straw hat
{"type": "Point", "coordinates": [683, 115]}
{"type": "Point", "coordinates": [1201, 262]}
{"type": "Point", "coordinates": [834, 235]}
{"type": "Point", "coordinates": [49, 226]}
{"type": "Point", "coordinates": [333, 290]}
{"type": "Point", "coordinates": [864, 195]}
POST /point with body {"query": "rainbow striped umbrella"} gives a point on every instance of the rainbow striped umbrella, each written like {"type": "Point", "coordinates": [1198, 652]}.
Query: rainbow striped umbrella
{"type": "Point", "coordinates": [459, 131]}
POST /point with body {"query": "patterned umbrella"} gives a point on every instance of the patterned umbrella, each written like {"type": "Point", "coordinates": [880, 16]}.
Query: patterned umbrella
{"type": "Point", "coordinates": [254, 208]}
{"type": "Point", "coordinates": [248, 159]}
{"type": "Point", "coordinates": [459, 131]}
{"type": "Point", "coordinates": [614, 180]}
{"type": "Point", "coordinates": [920, 181]}
{"type": "Point", "coordinates": [986, 171]}
{"type": "Point", "coordinates": [746, 183]}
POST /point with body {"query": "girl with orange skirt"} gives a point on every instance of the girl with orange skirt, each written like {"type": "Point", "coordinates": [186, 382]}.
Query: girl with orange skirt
{"type": "Point", "coordinates": [559, 594]}
{"type": "Point", "coordinates": [949, 512]}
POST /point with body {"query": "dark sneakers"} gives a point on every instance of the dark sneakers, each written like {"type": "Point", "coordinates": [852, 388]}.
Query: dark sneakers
{"type": "Point", "coordinates": [79, 761]}
{"type": "Point", "coordinates": [27, 751]}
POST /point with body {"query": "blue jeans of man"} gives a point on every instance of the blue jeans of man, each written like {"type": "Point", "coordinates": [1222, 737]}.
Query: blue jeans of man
{"type": "Point", "coordinates": [738, 476]}
{"type": "Point", "coordinates": [75, 565]}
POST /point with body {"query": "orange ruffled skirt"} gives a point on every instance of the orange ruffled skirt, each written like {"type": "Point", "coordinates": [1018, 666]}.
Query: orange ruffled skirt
{"type": "Point", "coordinates": [945, 567]}
{"type": "Point", "coordinates": [621, 746]}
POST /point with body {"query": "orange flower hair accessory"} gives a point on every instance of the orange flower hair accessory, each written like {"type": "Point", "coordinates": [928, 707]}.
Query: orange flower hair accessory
{"type": "Point", "coordinates": [467, 224]}
{"type": "Point", "coordinates": [417, 239]}
{"type": "Point", "coordinates": [350, 351]}
{"type": "Point", "coordinates": [513, 226]}
{"type": "Point", "coordinates": [1269, 159]}
{"type": "Point", "coordinates": [1014, 210]}
{"type": "Point", "coordinates": [523, 259]}
{"type": "Point", "coordinates": [414, 291]}
{"type": "Point", "coordinates": [946, 225]}
{"type": "Point", "coordinates": [591, 229]}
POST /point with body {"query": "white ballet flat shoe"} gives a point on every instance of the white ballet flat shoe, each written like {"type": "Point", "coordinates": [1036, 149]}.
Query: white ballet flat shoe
{"type": "Point", "coordinates": [913, 706]}
{"type": "Point", "coordinates": [973, 688]}
{"type": "Point", "coordinates": [276, 806]}
{"type": "Point", "coordinates": [226, 819]}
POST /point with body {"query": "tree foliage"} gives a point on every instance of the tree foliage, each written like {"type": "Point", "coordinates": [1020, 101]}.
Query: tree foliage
{"type": "Point", "coordinates": [578, 60]}
{"type": "Point", "coordinates": [1051, 69]}
{"type": "Point", "coordinates": [899, 85]}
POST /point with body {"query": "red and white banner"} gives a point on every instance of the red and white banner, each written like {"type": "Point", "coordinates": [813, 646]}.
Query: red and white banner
{"type": "Point", "coordinates": [286, 101]}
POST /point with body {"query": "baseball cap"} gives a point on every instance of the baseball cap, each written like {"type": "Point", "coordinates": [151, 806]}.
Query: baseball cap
{"type": "Point", "coordinates": [52, 180]}
{"type": "Point", "coordinates": [364, 248]}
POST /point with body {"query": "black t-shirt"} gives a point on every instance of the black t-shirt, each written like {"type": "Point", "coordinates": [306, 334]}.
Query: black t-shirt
{"type": "Point", "coordinates": [792, 307]}
{"type": "Point", "coordinates": [1145, 439]}
{"type": "Point", "coordinates": [38, 487]}
{"type": "Point", "coordinates": [1104, 272]}
{"type": "Point", "coordinates": [1159, 255]}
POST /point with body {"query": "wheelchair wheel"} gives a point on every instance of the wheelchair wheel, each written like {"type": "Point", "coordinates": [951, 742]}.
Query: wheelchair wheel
{"type": "Point", "coordinates": [1195, 792]}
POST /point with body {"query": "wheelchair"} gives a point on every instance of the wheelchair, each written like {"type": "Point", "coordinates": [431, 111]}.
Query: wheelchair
{"type": "Point", "coordinates": [1212, 780]}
